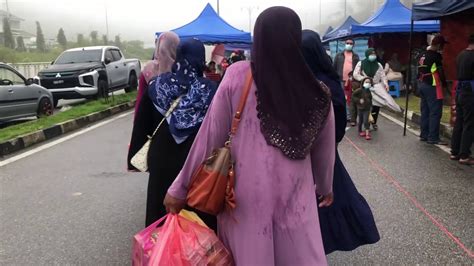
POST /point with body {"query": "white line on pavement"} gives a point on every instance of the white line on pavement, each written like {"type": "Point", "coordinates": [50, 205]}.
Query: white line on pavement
{"type": "Point", "coordinates": [61, 140]}
{"type": "Point", "coordinates": [414, 131]}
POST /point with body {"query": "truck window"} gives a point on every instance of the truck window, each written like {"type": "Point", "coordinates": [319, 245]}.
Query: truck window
{"type": "Point", "coordinates": [108, 54]}
{"type": "Point", "coordinates": [117, 55]}
{"type": "Point", "coordinates": [81, 56]}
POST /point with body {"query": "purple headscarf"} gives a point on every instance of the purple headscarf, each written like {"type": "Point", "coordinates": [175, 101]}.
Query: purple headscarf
{"type": "Point", "coordinates": [292, 104]}
{"type": "Point", "coordinates": [164, 56]}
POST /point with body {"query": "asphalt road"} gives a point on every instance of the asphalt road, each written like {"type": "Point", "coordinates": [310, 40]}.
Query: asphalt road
{"type": "Point", "coordinates": [74, 203]}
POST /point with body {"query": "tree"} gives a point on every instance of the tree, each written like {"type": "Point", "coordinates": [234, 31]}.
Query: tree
{"type": "Point", "coordinates": [80, 39]}
{"type": "Point", "coordinates": [20, 44]}
{"type": "Point", "coordinates": [94, 37]}
{"type": "Point", "coordinates": [105, 39]}
{"type": "Point", "coordinates": [9, 41]}
{"type": "Point", "coordinates": [40, 42]}
{"type": "Point", "coordinates": [118, 42]}
{"type": "Point", "coordinates": [62, 38]}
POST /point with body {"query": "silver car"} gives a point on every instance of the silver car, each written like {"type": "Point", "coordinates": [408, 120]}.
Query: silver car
{"type": "Point", "coordinates": [20, 97]}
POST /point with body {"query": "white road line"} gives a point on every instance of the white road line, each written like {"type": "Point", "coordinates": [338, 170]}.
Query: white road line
{"type": "Point", "coordinates": [413, 131]}
{"type": "Point", "coordinates": [61, 140]}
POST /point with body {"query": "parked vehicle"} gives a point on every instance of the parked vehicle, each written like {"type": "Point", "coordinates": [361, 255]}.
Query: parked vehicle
{"type": "Point", "coordinates": [20, 97]}
{"type": "Point", "coordinates": [90, 72]}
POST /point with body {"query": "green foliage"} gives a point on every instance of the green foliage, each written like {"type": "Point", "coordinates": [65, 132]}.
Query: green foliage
{"type": "Point", "coordinates": [118, 41]}
{"type": "Point", "coordinates": [75, 112]}
{"type": "Point", "coordinates": [20, 44]}
{"type": "Point", "coordinates": [62, 39]}
{"type": "Point", "coordinates": [8, 55]}
{"type": "Point", "coordinates": [135, 49]}
{"type": "Point", "coordinates": [105, 40]}
{"type": "Point", "coordinates": [81, 40]}
{"type": "Point", "coordinates": [94, 37]}
{"type": "Point", "coordinates": [9, 41]}
{"type": "Point", "coordinates": [40, 42]}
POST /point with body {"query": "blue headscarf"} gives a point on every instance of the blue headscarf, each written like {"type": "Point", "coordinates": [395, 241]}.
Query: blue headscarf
{"type": "Point", "coordinates": [185, 80]}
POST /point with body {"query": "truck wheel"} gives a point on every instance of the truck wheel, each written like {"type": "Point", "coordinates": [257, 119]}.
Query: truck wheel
{"type": "Point", "coordinates": [45, 108]}
{"type": "Point", "coordinates": [132, 83]}
{"type": "Point", "coordinates": [102, 89]}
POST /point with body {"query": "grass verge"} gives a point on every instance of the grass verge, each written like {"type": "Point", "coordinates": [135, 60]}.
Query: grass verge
{"type": "Point", "coordinates": [414, 105]}
{"type": "Point", "coordinates": [73, 113]}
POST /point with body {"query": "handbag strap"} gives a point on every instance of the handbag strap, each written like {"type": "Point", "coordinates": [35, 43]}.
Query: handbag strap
{"type": "Point", "coordinates": [168, 113]}
{"type": "Point", "coordinates": [240, 108]}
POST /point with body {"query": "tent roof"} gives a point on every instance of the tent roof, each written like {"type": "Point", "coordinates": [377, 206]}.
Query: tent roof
{"type": "Point", "coordinates": [211, 29]}
{"type": "Point", "coordinates": [393, 16]}
{"type": "Point", "coordinates": [437, 9]}
{"type": "Point", "coordinates": [341, 31]}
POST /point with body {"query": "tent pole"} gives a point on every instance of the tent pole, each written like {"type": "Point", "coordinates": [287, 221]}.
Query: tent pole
{"type": "Point", "coordinates": [407, 91]}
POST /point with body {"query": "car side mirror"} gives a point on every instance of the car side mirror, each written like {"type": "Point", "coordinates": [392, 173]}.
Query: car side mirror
{"type": "Point", "coordinates": [52, 62]}
{"type": "Point", "coordinates": [29, 81]}
{"type": "Point", "coordinates": [107, 60]}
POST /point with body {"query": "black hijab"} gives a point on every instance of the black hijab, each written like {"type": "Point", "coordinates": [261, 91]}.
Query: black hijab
{"type": "Point", "coordinates": [292, 104]}
{"type": "Point", "coordinates": [320, 63]}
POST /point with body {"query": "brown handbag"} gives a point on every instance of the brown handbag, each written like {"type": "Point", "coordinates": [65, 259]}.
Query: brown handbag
{"type": "Point", "coordinates": [212, 185]}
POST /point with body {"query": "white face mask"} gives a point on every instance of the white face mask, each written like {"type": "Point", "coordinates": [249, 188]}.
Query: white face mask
{"type": "Point", "coordinates": [349, 47]}
{"type": "Point", "coordinates": [367, 85]}
{"type": "Point", "coordinates": [372, 58]}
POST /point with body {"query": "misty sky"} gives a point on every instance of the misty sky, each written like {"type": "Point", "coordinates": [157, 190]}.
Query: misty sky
{"type": "Point", "coordinates": [139, 19]}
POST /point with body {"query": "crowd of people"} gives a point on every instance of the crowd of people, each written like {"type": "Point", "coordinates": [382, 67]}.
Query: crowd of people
{"type": "Point", "coordinates": [295, 200]}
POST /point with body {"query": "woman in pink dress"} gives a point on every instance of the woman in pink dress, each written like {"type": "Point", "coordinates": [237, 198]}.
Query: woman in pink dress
{"type": "Point", "coordinates": [284, 150]}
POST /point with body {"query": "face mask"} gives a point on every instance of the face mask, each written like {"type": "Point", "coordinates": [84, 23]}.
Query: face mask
{"type": "Point", "coordinates": [349, 47]}
{"type": "Point", "coordinates": [372, 58]}
{"type": "Point", "coordinates": [367, 85]}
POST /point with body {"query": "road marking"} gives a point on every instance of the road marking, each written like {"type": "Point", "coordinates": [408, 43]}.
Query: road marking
{"type": "Point", "coordinates": [414, 131]}
{"type": "Point", "coordinates": [407, 194]}
{"type": "Point", "coordinates": [61, 140]}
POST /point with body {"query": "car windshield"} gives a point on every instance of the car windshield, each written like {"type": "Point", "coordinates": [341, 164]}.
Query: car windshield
{"type": "Point", "coordinates": [83, 56]}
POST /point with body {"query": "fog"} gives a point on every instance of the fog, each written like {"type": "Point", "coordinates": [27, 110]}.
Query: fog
{"type": "Point", "coordinates": [139, 19]}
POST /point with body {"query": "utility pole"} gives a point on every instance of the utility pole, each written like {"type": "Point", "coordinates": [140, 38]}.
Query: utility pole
{"type": "Point", "coordinates": [320, 12]}
{"type": "Point", "coordinates": [8, 10]}
{"type": "Point", "coordinates": [345, 9]}
{"type": "Point", "coordinates": [249, 10]}
{"type": "Point", "coordinates": [106, 20]}
{"type": "Point", "coordinates": [218, 13]}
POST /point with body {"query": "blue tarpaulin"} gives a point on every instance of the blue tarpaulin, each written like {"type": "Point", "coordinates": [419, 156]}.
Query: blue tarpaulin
{"type": "Point", "coordinates": [342, 31]}
{"type": "Point", "coordinates": [212, 29]}
{"type": "Point", "coordinates": [437, 9]}
{"type": "Point", "coordinates": [393, 16]}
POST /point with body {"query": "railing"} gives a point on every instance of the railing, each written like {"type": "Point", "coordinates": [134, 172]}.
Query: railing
{"type": "Point", "coordinates": [30, 70]}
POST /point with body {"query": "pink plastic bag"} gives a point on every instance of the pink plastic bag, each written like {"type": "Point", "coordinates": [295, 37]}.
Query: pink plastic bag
{"type": "Point", "coordinates": [182, 242]}
{"type": "Point", "coordinates": [143, 243]}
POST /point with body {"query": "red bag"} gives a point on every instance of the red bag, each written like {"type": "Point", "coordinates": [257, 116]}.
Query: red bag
{"type": "Point", "coordinates": [182, 242]}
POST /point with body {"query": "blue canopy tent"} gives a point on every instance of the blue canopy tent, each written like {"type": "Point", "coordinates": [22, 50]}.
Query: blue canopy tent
{"type": "Point", "coordinates": [342, 31]}
{"type": "Point", "coordinates": [393, 16]}
{"type": "Point", "coordinates": [210, 28]}
{"type": "Point", "coordinates": [437, 9]}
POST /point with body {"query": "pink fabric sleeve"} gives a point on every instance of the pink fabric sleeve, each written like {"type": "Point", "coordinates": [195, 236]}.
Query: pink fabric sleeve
{"type": "Point", "coordinates": [213, 134]}
{"type": "Point", "coordinates": [323, 157]}
{"type": "Point", "coordinates": [141, 88]}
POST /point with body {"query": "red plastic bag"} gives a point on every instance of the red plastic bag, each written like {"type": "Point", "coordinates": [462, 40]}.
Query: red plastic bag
{"type": "Point", "coordinates": [186, 243]}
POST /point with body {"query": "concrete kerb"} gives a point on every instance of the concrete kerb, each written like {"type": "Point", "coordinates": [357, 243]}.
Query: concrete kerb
{"type": "Point", "coordinates": [445, 129]}
{"type": "Point", "coordinates": [25, 141]}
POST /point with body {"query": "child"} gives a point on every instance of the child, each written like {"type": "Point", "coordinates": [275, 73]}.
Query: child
{"type": "Point", "coordinates": [362, 97]}
{"type": "Point", "coordinates": [350, 86]}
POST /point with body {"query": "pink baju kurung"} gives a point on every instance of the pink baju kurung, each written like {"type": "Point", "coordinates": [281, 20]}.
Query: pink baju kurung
{"type": "Point", "coordinates": [276, 219]}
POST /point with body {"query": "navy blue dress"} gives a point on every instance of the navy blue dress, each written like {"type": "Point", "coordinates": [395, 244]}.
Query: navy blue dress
{"type": "Point", "coordinates": [348, 223]}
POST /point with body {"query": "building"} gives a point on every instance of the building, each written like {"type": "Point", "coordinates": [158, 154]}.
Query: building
{"type": "Point", "coordinates": [15, 25]}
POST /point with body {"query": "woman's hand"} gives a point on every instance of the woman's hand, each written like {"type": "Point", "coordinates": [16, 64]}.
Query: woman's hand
{"type": "Point", "coordinates": [173, 205]}
{"type": "Point", "coordinates": [326, 200]}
